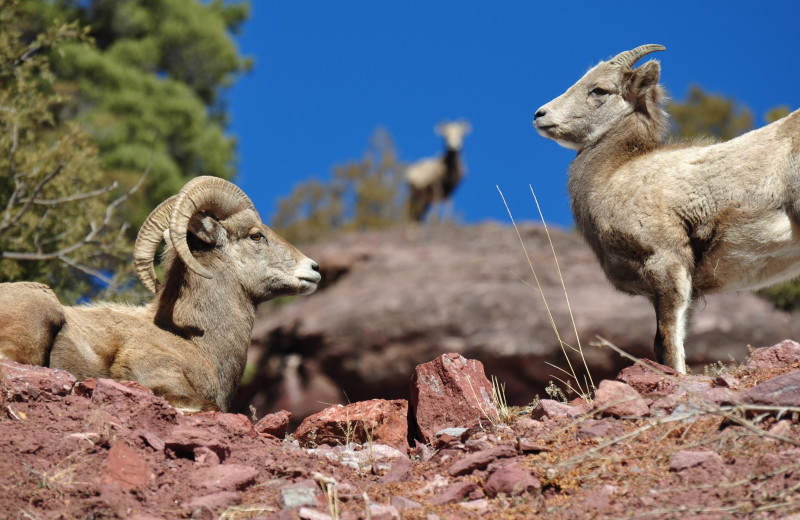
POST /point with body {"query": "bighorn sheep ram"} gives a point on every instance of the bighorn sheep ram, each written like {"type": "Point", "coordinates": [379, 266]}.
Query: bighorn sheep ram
{"type": "Point", "coordinates": [674, 221]}
{"type": "Point", "coordinates": [189, 344]}
{"type": "Point", "coordinates": [434, 180]}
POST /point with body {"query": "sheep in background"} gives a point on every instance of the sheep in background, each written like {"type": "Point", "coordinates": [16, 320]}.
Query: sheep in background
{"type": "Point", "coordinates": [189, 344]}
{"type": "Point", "coordinates": [674, 222]}
{"type": "Point", "coordinates": [434, 179]}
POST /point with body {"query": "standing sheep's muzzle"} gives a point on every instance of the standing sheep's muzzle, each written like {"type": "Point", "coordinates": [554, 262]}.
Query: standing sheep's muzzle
{"type": "Point", "coordinates": [309, 276]}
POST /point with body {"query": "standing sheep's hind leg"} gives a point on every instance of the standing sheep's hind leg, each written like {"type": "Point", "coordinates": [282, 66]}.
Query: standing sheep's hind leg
{"type": "Point", "coordinates": [673, 305]}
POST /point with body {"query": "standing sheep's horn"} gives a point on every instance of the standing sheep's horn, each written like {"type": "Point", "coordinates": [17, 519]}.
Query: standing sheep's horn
{"type": "Point", "coordinates": [150, 235]}
{"type": "Point", "coordinates": [213, 195]}
{"type": "Point", "coordinates": [628, 58]}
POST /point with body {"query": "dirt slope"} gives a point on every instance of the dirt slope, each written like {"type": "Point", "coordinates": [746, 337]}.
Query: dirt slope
{"type": "Point", "coordinates": [102, 449]}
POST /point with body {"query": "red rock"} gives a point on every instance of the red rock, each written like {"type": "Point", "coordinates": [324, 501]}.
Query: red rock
{"type": "Point", "coordinates": [529, 446]}
{"type": "Point", "coordinates": [782, 390]}
{"type": "Point", "coordinates": [555, 410]}
{"type": "Point", "coordinates": [617, 399]}
{"type": "Point", "coordinates": [717, 395]}
{"type": "Point", "coordinates": [725, 380]}
{"type": "Point", "coordinates": [782, 428]}
{"type": "Point", "coordinates": [405, 503]}
{"type": "Point", "coordinates": [125, 468]}
{"type": "Point", "coordinates": [155, 442]}
{"type": "Point", "coordinates": [450, 391]}
{"type": "Point", "coordinates": [377, 420]}
{"type": "Point", "coordinates": [785, 353]}
{"type": "Point", "coordinates": [597, 500]}
{"type": "Point", "coordinates": [86, 387]}
{"type": "Point", "coordinates": [136, 387]}
{"type": "Point", "coordinates": [597, 428]}
{"type": "Point", "coordinates": [30, 381]}
{"type": "Point", "coordinates": [274, 424]}
{"type": "Point", "coordinates": [224, 477]}
{"type": "Point", "coordinates": [205, 457]}
{"type": "Point", "coordinates": [682, 460]}
{"type": "Point", "coordinates": [381, 512]}
{"type": "Point", "coordinates": [512, 480]}
{"type": "Point", "coordinates": [477, 494]}
{"type": "Point", "coordinates": [479, 506]}
{"type": "Point", "coordinates": [453, 493]}
{"type": "Point", "coordinates": [234, 422]}
{"type": "Point", "coordinates": [665, 406]}
{"type": "Point", "coordinates": [446, 440]}
{"type": "Point", "coordinates": [216, 501]}
{"type": "Point", "coordinates": [399, 472]}
{"type": "Point", "coordinates": [422, 452]}
{"type": "Point", "coordinates": [699, 467]}
{"type": "Point", "coordinates": [183, 440]}
{"type": "Point", "coordinates": [123, 399]}
{"type": "Point", "coordinates": [306, 513]}
{"type": "Point", "coordinates": [480, 460]}
{"type": "Point", "coordinates": [650, 378]}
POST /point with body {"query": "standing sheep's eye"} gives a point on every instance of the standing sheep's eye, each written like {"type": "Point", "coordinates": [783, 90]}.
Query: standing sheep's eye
{"type": "Point", "coordinates": [256, 237]}
{"type": "Point", "coordinates": [599, 91]}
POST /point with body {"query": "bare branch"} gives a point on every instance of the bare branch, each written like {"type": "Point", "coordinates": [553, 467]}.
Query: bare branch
{"type": "Point", "coordinates": [88, 270]}
{"type": "Point", "coordinates": [72, 198]}
{"type": "Point", "coordinates": [12, 173]}
{"type": "Point", "coordinates": [47, 178]}
{"type": "Point", "coordinates": [28, 54]}
{"type": "Point", "coordinates": [94, 232]}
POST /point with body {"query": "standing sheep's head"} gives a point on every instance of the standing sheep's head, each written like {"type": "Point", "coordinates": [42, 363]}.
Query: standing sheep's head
{"type": "Point", "coordinates": [453, 133]}
{"type": "Point", "coordinates": [213, 228]}
{"type": "Point", "coordinates": [602, 98]}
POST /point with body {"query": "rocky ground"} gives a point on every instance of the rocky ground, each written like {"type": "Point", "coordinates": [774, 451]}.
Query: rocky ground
{"type": "Point", "coordinates": [650, 444]}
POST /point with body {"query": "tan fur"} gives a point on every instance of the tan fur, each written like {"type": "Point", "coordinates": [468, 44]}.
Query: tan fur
{"type": "Point", "coordinates": [189, 344]}
{"type": "Point", "coordinates": [725, 215]}
{"type": "Point", "coordinates": [30, 318]}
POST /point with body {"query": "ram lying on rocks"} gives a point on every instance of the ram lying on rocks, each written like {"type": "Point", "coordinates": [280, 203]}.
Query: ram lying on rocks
{"type": "Point", "coordinates": [189, 344]}
{"type": "Point", "coordinates": [674, 221]}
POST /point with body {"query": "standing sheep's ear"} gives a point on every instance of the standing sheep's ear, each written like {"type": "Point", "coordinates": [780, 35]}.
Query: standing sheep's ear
{"type": "Point", "coordinates": [641, 82]}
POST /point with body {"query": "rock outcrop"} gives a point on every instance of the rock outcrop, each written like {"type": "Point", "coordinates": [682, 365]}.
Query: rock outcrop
{"type": "Point", "coordinates": [393, 300]}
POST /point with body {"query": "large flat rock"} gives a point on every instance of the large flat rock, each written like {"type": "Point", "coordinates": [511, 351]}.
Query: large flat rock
{"type": "Point", "coordinates": [395, 299]}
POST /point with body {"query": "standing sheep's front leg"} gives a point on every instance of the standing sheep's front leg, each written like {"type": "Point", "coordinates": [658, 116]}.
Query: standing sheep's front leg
{"type": "Point", "coordinates": [673, 301]}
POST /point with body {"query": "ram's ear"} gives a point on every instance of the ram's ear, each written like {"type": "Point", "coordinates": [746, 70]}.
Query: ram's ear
{"type": "Point", "coordinates": [206, 228]}
{"type": "Point", "coordinates": [640, 82]}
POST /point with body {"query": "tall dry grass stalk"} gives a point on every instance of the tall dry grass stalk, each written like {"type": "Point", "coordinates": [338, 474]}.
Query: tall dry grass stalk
{"type": "Point", "coordinates": [586, 388]}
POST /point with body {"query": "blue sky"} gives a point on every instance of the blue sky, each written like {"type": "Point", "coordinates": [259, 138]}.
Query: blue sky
{"type": "Point", "coordinates": [327, 74]}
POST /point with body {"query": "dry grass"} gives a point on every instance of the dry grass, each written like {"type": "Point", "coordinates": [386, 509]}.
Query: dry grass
{"type": "Point", "coordinates": [504, 413]}
{"type": "Point", "coordinates": [328, 486]}
{"type": "Point", "coordinates": [584, 385]}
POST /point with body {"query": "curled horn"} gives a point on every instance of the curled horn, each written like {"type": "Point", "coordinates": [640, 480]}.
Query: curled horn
{"type": "Point", "coordinates": [212, 195]}
{"type": "Point", "coordinates": [150, 235]}
{"type": "Point", "coordinates": [628, 58]}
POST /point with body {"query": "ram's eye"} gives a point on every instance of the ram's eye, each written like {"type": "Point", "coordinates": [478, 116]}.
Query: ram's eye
{"type": "Point", "coordinates": [256, 237]}
{"type": "Point", "coordinates": [599, 91]}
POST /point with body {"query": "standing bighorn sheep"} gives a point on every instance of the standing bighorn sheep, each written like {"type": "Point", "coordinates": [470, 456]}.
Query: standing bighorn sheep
{"type": "Point", "coordinates": [674, 222]}
{"type": "Point", "coordinates": [434, 179]}
{"type": "Point", "coordinates": [189, 344]}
